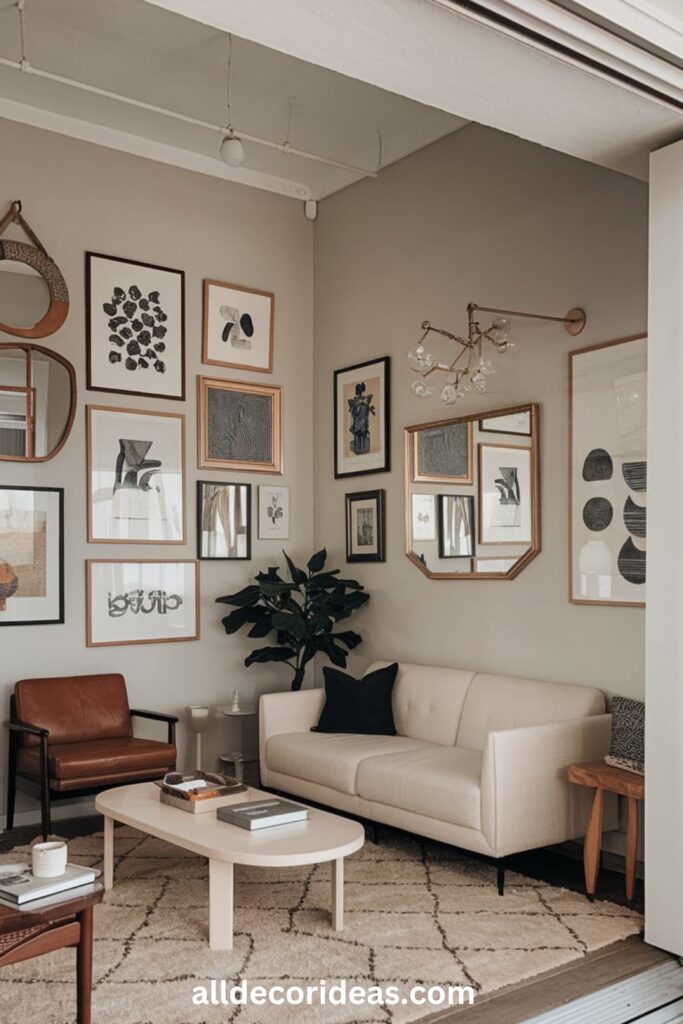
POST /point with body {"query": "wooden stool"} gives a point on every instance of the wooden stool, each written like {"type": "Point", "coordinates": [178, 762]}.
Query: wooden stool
{"type": "Point", "coordinates": [25, 934]}
{"type": "Point", "coordinates": [606, 779]}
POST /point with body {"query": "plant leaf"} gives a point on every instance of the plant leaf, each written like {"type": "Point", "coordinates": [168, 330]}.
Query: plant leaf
{"type": "Point", "coordinates": [298, 575]}
{"type": "Point", "coordinates": [248, 595]}
{"type": "Point", "coordinates": [262, 628]}
{"type": "Point", "coordinates": [347, 637]}
{"type": "Point", "coordinates": [236, 619]}
{"type": "Point", "coordinates": [334, 652]}
{"type": "Point", "coordinates": [292, 625]}
{"type": "Point", "coordinates": [317, 561]}
{"type": "Point", "coordinates": [272, 589]}
{"type": "Point", "coordinates": [264, 654]}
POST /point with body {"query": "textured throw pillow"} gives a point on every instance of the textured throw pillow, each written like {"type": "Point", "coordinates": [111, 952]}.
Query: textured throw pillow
{"type": "Point", "coordinates": [358, 705]}
{"type": "Point", "coordinates": [627, 749]}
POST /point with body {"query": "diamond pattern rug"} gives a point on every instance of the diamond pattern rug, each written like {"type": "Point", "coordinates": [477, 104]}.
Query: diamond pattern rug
{"type": "Point", "coordinates": [416, 913]}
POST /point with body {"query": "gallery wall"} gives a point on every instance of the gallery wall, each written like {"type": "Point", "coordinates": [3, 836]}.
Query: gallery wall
{"type": "Point", "coordinates": [485, 217]}
{"type": "Point", "coordinates": [80, 197]}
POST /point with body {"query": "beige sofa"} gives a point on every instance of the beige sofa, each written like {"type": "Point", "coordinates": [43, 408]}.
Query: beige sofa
{"type": "Point", "coordinates": [480, 761]}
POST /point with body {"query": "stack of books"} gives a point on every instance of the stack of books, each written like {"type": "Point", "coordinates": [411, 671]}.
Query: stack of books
{"type": "Point", "coordinates": [21, 890]}
{"type": "Point", "coordinates": [264, 814]}
{"type": "Point", "coordinates": [199, 792]}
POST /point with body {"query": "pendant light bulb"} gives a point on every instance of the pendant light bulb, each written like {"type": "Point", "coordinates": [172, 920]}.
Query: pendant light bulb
{"type": "Point", "coordinates": [232, 149]}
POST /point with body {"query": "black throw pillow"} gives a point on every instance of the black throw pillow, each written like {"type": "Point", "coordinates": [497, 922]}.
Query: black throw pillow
{"type": "Point", "coordinates": [358, 705]}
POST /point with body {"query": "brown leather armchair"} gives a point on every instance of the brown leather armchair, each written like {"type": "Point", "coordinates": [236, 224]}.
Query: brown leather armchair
{"type": "Point", "coordinates": [73, 736]}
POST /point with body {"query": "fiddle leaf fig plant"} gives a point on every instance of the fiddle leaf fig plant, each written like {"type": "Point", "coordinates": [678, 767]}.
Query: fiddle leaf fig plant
{"type": "Point", "coordinates": [300, 613]}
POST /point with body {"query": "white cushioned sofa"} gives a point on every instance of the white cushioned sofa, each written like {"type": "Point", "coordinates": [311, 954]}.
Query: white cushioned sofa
{"type": "Point", "coordinates": [480, 761]}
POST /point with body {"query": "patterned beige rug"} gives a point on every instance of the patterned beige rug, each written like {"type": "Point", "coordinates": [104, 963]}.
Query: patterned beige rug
{"type": "Point", "coordinates": [416, 913]}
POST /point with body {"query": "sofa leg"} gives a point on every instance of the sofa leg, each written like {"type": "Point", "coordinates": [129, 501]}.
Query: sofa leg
{"type": "Point", "coordinates": [372, 829]}
{"type": "Point", "coordinates": [500, 876]}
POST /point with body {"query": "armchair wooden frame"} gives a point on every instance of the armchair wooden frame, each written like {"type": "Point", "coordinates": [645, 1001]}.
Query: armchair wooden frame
{"type": "Point", "coordinates": [40, 787]}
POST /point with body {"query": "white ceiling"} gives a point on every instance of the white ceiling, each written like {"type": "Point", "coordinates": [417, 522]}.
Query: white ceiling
{"type": "Point", "coordinates": [147, 53]}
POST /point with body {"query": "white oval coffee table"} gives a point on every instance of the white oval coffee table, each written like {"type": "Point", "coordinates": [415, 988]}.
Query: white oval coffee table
{"type": "Point", "coordinates": [323, 837]}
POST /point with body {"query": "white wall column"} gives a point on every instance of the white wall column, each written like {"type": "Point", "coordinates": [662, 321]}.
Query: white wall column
{"type": "Point", "coordinates": [664, 617]}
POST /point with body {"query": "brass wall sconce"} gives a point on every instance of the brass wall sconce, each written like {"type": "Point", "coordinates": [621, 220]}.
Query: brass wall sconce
{"type": "Point", "coordinates": [471, 366]}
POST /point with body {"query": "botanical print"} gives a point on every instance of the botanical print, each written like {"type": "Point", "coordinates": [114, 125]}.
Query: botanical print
{"type": "Point", "coordinates": [424, 516]}
{"type": "Point", "coordinates": [31, 585]}
{"type": "Point", "coordinates": [361, 425]}
{"type": "Point", "coordinates": [238, 326]}
{"type": "Point", "coordinates": [135, 327]}
{"type": "Point", "coordinates": [135, 472]}
{"type": "Point", "coordinates": [505, 494]}
{"type": "Point", "coordinates": [223, 520]}
{"type": "Point", "coordinates": [141, 602]}
{"type": "Point", "coordinates": [273, 512]}
{"type": "Point", "coordinates": [608, 476]}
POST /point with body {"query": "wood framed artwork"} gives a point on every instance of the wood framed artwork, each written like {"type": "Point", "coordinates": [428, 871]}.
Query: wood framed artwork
{"type": "Point", "coordinates": [238, 327]}
{"type": "Point", "coordinates": [362, 435]}
{"type": "Point", "coordinates": [443, 453]}
{"type": "Point", "coordinates": [136, 476]}
{"type": "Point", "coordinates": [240, 425]}
{"type": "Point", "coordinates": [31, 555]}
{"type": "Point", "coordinates": [365, 524]}
{"type": "Point", "coordinates": [506, 499]}
{"type": "Point", "coordinates": [273, 512]}
{"type": "Point", "coordinates": [423, 516]}
{"type": "Point", "coordinates": [135, 327]}
{"type": "Point", "coordinates": [141, 602]}
{"type": "Point", "coordinates": [223, 520]}
{"type": "Point", "coordinates": [456, 525]}
{"type": "Point", "coordinates": [512, 423]}
{"type": "Point", "coordinates": [608, 473]}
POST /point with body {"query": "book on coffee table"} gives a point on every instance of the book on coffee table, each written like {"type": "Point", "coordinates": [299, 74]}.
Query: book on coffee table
{"type": "Point", "coordinates": [19, 885]}
{"type": "Point", "coordinates": [260, 814]}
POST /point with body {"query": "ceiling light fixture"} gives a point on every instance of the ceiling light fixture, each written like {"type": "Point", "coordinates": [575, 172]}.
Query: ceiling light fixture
{"type": "Point", "coordinates": [232, 147]}
{"type": "Point", "coordinates": [471, 366]}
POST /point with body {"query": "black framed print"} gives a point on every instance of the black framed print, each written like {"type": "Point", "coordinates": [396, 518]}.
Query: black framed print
{"type": "Point", "coordinates": [223, 520]}
{"type": "Point", "coordinates": [135, 327]}
{"type": "Point", "coordinates": [362, 435]}
{"type": "Point", "coordinates": [31, 556]}
{"type": "Point", "coordinates": [365, 526]}
{"type": "Point", "coordinates": [456, 525]}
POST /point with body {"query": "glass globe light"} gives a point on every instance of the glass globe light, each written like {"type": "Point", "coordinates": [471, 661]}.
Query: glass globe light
{"type": "Point", "coordinates": [480, 386]}
{"type": "Point", "coordinates": [449, 394]}
{"type": "Point", "coordinates": [232, 150]}
{"type": "Point", "coordinates": [420, 360]}
{"type": "Point", "coordinates": [486, 367]}
{"type": "Point", "coordinates": [422, 390]}
{"type": "Point", "coordinates": [500, 330]}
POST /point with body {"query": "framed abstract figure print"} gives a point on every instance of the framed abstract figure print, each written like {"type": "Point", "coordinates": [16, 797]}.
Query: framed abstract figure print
{"type": "Point", "coordinates": [608, 473]}
{"type": "Point", "coordinates": [136, 476]}
{"type": "Point", "coordinates": [240, 425]}
{"type": "Point", "coordinates": [223, 520]}
{"type": "Point", "coordinates": [238, 327]}
{"type": "Point", "coordinates": [361, 418]}
{"type": "Point", "coordinates": [31, 556]}
{"type": "Point", "coordinates": [135, 327]}
{"type": "Point", "coordinates": [365, 526]}
{"type": "Point", "coordinates": [141, 602]}
{"type": "Point", "coordinates": [506, 498]}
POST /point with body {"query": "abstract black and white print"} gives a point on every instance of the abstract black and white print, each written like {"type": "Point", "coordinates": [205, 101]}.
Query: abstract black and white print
{"type": "Point", "coordinates": [609, 473]}
{"type": "Point", "coordinates": [223, 520]}
{"type": "Point", "coordinates": [141, 602]}
{"type": "Point", "coordinates": [240, 426]}
{"type": "Point", "coordinates": [505, 494]}
{"type": "Point", "coordinates": [443, 452]}
{"type": "Point", "coordinates": [238, 326]}
{"type": "Point", "coordinates": [135, 327]}
{"type": "Point", "coordinates": [365, 526]}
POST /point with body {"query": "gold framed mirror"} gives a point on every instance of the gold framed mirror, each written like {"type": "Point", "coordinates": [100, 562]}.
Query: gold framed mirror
{"type": "Point", "coordinates": [37, 402]}
{"type": "Point", "coordinates": [472, 494]}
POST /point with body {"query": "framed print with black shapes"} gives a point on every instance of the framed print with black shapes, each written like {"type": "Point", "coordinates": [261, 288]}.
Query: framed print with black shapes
{"type": "Point", "coordinates": [31, 556]}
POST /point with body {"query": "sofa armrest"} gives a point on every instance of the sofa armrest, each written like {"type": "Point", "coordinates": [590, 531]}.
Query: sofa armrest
{"type": "Point", "coordinates": [527, 800]}
{"type": "Point", "coordinates": [286, 712]}
{"type": "Point", "coordinates": [158, 716]}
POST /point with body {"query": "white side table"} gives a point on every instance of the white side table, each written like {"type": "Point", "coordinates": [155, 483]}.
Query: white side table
{"type": "Point", "coordinates": [199, 720]}
{"type": "Point", "coordinates": [237, 758]}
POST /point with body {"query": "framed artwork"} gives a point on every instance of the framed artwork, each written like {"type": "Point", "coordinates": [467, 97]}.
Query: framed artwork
{"type": "Point", "coordinates": [31, 555]}
{"type": "Point", "coordinates": [273, 512]}
{"type": "Point", "coordinates": [365, 526]}
{"type": "Point", "coordinates": [608, 473]}
{"type": "Point", "coordinates": [456, 525]}
{"type": "Point", "coordinates": [443, 453]}
{"type": "Point", "coordinates": [223, 520]}
{"type": "Point", "coordinates": [505, 494]}
{"type": "Point", "coordinates": [135, 327]}
{"type": "Point", "coordinates": [513, 423]}
{"type": "Point", "coordinates": [238, 327]}
{"type": "Point", "coordinates": [361, 418]}
{"type": "Point", "coordinates": [423, 516]}
{"type": "Point", "coordinates": [240, 425]}
{"type": "Point", "coordinates": [497, 565]}
{"type": "Point", "coordinates": [136, 476]}
{"type": "Point", "coordinates": [136, 602]}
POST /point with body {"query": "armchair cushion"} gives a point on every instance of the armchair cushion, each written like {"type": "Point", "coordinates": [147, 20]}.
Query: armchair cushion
{"type": "Point", "coordinates": [101, 758]}
{"type": "Point", "coordinates": [75, 708]}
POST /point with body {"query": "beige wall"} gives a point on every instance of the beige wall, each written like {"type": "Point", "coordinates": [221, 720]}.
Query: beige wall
{"type": "Point", "coordinates": [79, 197]}
{"type": "Point", "coordinates": [485, 217]}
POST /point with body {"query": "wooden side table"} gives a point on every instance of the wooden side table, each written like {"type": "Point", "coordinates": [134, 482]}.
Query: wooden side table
{"type": "Point", "coordinates": [28, 933]}
{"type": "Point", "coordinates": [606, 779]}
